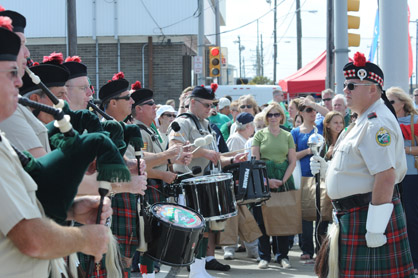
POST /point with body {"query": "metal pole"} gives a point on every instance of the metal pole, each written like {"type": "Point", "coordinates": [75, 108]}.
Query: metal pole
{"type": "Point", "coordinates": [416, 56]}
{"type": "Point", "coordinates": [341, 42]}
{"type": "Point", "coordinates": [394, 43]}
{"type": "Point", "coordinates": [200, 43]}
{"type": "Point", "coordinates": [330, 83]}
{"type": "Point", "coordinates": [72, 27]}
{"type": "Point", "coordinates": [261, 56]}
{"type": "Point", "coordinates": [218, 36]}
{"type": "Point", "coordinates": [239, 51]}
{"type": "Point", "coordinates": [275, 43]}
{"type": "Point", "coordinates": [299, 34]}
{"type": "Point", "coordinates": [258, 53]}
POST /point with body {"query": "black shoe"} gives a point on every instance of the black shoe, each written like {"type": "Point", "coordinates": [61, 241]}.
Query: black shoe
{"type": "Point", "coordinates": [215, 265]}
{"type": "Point", "coordinates": [241, 249]}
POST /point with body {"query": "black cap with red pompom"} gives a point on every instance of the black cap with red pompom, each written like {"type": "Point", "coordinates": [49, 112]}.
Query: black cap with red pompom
{"type": "Point", "coordinates": [9, 50]}
{"type": "Point", "coordinates": [205, 93]}
{"type": "Point", "coordinates": [139, 94]}
{"type": "Point", "coordinates": [114, 87]}
{"type": "Point", "coordinates": [18, 20]}
{"type": "Point", "coordinates": [363, 70]}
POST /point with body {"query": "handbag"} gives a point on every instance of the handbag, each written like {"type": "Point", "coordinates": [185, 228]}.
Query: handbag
{"type": "Point", "coordinates": [413, 143]}
{"type": "Point", "coordinates": [308, 188]}
{"type": "Point", "coordinates": [282, 213]}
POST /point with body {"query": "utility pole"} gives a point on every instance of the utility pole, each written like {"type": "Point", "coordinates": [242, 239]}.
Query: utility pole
{"type": "Point", "coordinates": [72, 27]}
{"type": "Point", "coordinates": [261, 55]}
{"type": "Point", "coordinates": [240, 48]}
{"type": "Point", "coordinates": [329, 83]}
{"type": "Point", "coordinates": [218, 35]}
{"type": "Point", "coordinates": [243, 65]}
{"type": "Point", "coordinates": [299, 34]}
{"type": "Point", "coordinates": [258, 53]}
{"type": "Point", "coordinates": [275, 43]}
{"type": "Point", "coordinates": [200, 43]}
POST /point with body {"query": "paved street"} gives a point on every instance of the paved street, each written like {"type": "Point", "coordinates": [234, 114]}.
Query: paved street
{"type": "Point", "coordinates": [245, 267]}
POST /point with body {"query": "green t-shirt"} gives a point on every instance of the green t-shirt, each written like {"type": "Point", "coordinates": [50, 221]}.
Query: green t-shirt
{"type": "Point", "coordinates": [274, 148]}
{"type": "Point", "coordinates": [219, 119]}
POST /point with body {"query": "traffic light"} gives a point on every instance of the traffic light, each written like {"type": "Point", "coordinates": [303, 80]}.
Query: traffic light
{"type": "Point", "coordinates": [353, 22]}
{"type": "Point", "coordinates": [214, 61]}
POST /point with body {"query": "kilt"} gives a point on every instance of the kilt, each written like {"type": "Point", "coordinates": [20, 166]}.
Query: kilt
{"type": "Point", "coordinates": [125, 222]}
{"type": "Point", "coordinates": [84, 260]}
{"type": "Point", "coordinates": [153, 193]}
{"type": "Point", "coordinates": [357, 260]}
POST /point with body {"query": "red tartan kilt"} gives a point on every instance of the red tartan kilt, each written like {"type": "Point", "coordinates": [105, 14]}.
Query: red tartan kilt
{"type": "Point", "coordinates": [125, 222]}
{"type": "Point", "coordinates": [390, 260]}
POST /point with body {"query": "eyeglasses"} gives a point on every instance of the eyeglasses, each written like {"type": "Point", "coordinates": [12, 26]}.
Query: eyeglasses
{"type": "Point", "coordinates": [309, 110]}
{"type": "Point", "coordinates": [169, 115]}
{"type": "Point", "coordinates": [352, 86]}
{"type": "Point", "coordinates": [271, 115]}
{"type": "Point", "coordinates": [206, 105]}
{"type": "Point", "coordinates": [249, 106]}
{"type": "Point", "coordinates": [127, 97]}
{"type": "Point", "coordinates": [327, 99]}
{"type": "Point", "coordinates": [82, 88]}
{"type": "Point", "coordinates": [392, 102]}
{"type": "Point", "coordinates": [14, 72]}
{"type": "Point", "coordinates": [150, 103]}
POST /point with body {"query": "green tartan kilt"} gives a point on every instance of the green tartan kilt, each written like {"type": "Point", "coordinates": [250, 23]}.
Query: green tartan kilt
{"type": "Point", "coordinates": [125, 222]}
{"type": "Point", "coordinates": [390, 260]}
{"type": "Point", "coordinates": [154, 194]}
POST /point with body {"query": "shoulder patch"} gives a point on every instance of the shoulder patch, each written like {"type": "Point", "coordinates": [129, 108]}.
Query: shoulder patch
{"type": "Point", "coordinates": [383, 137]}
{"type": "Point", "coordinates": [372, 115]}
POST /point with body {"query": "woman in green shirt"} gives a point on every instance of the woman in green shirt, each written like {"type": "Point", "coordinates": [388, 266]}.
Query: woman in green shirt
{"type": "Point", "coordinates": [276, 146]}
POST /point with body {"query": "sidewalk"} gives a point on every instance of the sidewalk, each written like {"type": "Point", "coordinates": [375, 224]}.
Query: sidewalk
{"type": "Point", "coordinates": [242, 266]}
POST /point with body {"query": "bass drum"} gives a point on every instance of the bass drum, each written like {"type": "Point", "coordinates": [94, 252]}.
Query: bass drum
{"type": "Point", "coordinates": [176, 232]}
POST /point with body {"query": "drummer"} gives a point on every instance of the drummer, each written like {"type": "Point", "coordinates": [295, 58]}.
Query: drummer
{"type": "Point", "coordinates": [194, 125]}
{"type": "Point", "coordinates": [144, 112]}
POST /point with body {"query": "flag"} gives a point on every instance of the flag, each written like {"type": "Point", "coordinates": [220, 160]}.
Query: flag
{"type": "Point", "coordinates": [375, 40]}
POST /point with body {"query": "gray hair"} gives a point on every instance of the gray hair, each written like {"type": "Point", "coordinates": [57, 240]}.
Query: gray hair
{"type": "Point", "coordinates": [241, 127]}
{"type": "Point", "coordinates": [339, 96]}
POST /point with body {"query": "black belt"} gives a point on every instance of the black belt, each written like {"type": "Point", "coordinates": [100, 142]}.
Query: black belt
{"type": "Point", "coordinates": [353, 201]}
{"type": "Point", "coordinates": [358, 200]}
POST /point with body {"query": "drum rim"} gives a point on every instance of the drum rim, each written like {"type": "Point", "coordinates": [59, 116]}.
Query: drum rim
{"type": "Point", "coordinates": [223, 216]}
{"type": "Point", "coordinates": [191, 180]}
{"type": "Point", "coordinates": [237, 165]}
{"type": "Point", "coordinates": [182, 228]}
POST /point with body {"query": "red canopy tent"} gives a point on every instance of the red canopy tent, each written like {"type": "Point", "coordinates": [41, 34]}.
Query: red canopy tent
{"type": "Point", "coordinates": [309, 79]}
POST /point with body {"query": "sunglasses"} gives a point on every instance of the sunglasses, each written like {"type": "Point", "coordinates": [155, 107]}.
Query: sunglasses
{"type": "Point", "coordinates": [415, 95]}
{"type": "Point", "coordinates": [206, 105]}
{"type": "Point", "coordinates": [150, 103]}
{"type": "Point", "coordinates": [14, 72]}
{"type": "Point", "coordinates": [249, 106]}
{"type": "Point", "coordinates": [309, 110]}
{"type": "Point", "coordinates": [352, 86]}
{"type": "Point", "coordinates": [392, 102]}
{"type": "Point", "coordinates": [127, 97]}
{"type": "Point", "coordinates": [169, 115]}
{"type": "Point", "coordinates": [271, 115]}
{"type": "Point", "coordinates": [327, 99]}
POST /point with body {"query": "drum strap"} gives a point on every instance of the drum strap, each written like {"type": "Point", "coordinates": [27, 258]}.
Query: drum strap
{"type": "Point", "coordinates": [196, 122]}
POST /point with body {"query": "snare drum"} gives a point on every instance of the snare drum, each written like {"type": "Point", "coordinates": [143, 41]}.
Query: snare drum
{"type": "Point", "coordinates": [176, 232]}
{"type": "Point", "coordinates": [212, 196]}
{"type": "Point", "coordinates": [250, 180]}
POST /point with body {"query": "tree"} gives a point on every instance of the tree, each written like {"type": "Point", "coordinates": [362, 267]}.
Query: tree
{"type": "Point", "coordinates": [261, 80]}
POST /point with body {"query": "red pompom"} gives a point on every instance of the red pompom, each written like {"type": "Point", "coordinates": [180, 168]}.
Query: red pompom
{"type": "Point", "coordinates": [136, 86]}
{"type": "Point", "coordinates": [73, 59]}
{"type": "Point", "coordinates": [214, 87]}
{"type": "Point", "coordinates": [6, 23]}
{"type": "Point", "coordinates": [359, 59]}
{"type": "Point", "coordinates": [1, 8]}
{"type": "Point", "coordinates": [119, 75]}
{"type": "Point", "coordinates": [35, 64]}
{"type": "Point", "coordinates": [202, 86]}
{"type": "Point", "coordinates": [54, 58]}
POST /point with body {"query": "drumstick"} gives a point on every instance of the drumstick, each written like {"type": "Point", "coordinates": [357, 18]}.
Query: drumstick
{"type": "Point", "coordinates": [237, 151]}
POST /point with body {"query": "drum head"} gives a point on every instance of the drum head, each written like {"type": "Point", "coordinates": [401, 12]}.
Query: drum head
{"type": "Point", "coordinates": [177, 215]}
{"type": "Point", "coordinates": [208, 178]}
